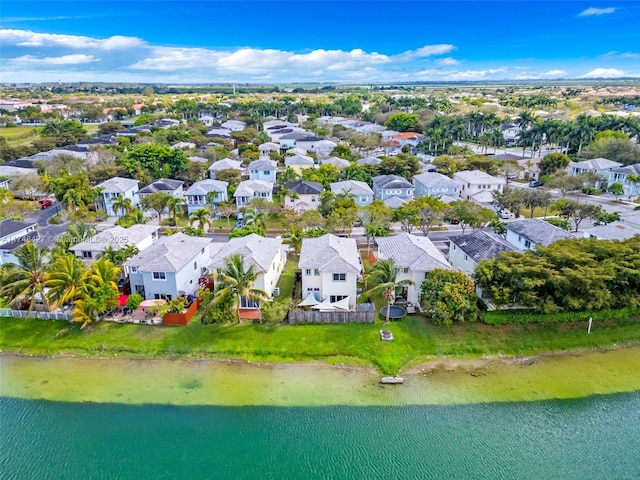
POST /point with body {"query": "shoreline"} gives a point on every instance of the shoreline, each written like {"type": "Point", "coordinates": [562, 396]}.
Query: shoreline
{"type": "Point", "coordinates": [445, 364]}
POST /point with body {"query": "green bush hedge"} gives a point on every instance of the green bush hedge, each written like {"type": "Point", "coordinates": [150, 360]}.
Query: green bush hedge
{"type": "Point", "coordinates": [521, 317]}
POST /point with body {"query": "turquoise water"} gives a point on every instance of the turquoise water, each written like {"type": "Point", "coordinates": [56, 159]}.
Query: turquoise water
{"type": "Point", "coordinates": [590, 438]}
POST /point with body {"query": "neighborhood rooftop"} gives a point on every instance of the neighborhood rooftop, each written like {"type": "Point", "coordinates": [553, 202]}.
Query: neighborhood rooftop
{"type": "Point", "coordinates": [118, 185]}
{"type": "Point", "coordinates": [412, 251]}
{"type": "Point", "coordinates": [330, 253]}
{"type": "Point", "coordinates": [170, 254]}
{"type": "Point", "coordinates": [539, 231]}
{"type": "Point", "coordinates": [481, 245]}
{"type": "Point", "coordinates": [255, 250]}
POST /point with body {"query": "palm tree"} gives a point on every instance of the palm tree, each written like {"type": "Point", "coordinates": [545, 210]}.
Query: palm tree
{"type": "Point", "coordinates": [123, 204]}
{"type": "Point", "coordinates": [201, 217]}
{"type": "Point", "coordinates": [103, 272]}
{"type": "Point", "coordinates": [234, 281]}
{"type": "Point", "coordinates": [172, 205]}
{"type": "Point", "coordinates": [76, 233]}
{"type": "Point", "coordinates": [28, 278]}
{"type": "Point", "coordinates": [101, 292]}
{"type": "Point", "coordinates": [254, 217]}
{"type": "Point", "coordinates": [72, 199]}
{"type": "Point", "coordinates": [67, 279]}
{"type": "Point", "coordinates": [383, 275]}
{"type": "Point", "coordinates": [294, 238]}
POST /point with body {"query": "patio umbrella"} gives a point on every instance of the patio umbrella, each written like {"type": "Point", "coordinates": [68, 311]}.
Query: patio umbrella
{"type": "Point", "coordinates": [153, 303]}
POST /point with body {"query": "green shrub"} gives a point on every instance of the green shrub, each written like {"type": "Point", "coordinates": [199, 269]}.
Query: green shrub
{"type": "Point", "coordinates": [522, 317]}
{"type": "Point", "coordinates": [276, 311]}
{"type": "Point", "coordinates": [134, 301]}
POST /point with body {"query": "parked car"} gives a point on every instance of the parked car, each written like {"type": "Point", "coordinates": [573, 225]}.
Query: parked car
{"type": "Point", "coordinates": [535, 183]}
{"type": "Point", "coordinates": [505, 214]}
{"type": "Point", "coordinates": [45, 202]}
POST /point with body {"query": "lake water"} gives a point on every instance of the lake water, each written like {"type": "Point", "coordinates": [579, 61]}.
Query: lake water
{"type": "Point", "coordinates": [122, 419]}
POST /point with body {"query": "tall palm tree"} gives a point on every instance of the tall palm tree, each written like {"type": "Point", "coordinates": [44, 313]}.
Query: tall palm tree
{"type": "Point", "coordinates": [234, 281]}
{"type": "Point", "coordinates": [122, 204]}
{"type": "Point", "coordinates": [101, 292]}
{"type": "Point", "coordinates": [67, 279]}
{"type": "Point", "coordinates": [294, 238]}
{"type": "Point", "coordinates": [72, 199]}
{"type": "Point", "coordinates": [103, 271]}
{"type": "Point", "coordinates": [173, 205]}
{"type": "Point", "coordinates": [201, 217]}
{"type": "Point", "coordinates": [28, 278]}
{"type": "Point", "coordinates": [76, 233]}
{"type": "Point", "coordinates": [383, 277]}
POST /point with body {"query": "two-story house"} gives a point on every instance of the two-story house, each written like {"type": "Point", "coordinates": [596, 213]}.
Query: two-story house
{"type": "Point", "coordinates": [600, 166]}
{"type": "Point", "coordinates": [526, 234]}
{"type": "Point", "coordinates": [362, 193]}
{"type": "Point", "coordinates": [247, 190]}
{"type": "Point", "coordinates": [299, 162]}
{"type": "Point", "coordinates": [225, 164]}
{"type": "Point", "coordinates": [511, 134]}
{"type": "Point", "coordinates": [112, 189]}
{"type": "Point", "coordinates": [302, 195]}
{"type": "Point", "coordinates": [477, 186]}
{"type": "Point", "coordinates": [12, 234]}
{"type": "Point", "coordinates": [204, 193]}
{"type": "Point", "coordinates": [163, 185]}
{"type": "Point", "coordinates": [266, 254]}
{"type": "Point", "coordinates": [263, 169]}
{"type": "Point", "coordinates": [170, 268]}
{"type": "Point", "coordinates": [268, 147]}
{"type": "Point", "coordinates": [386, 187]}
{"type": "Point", "coordinates": [466, 251]}
{"type": "Point", "coordinates": [413, 257]}
{"type": "Point", "coordinates": [433, 184]}
{"type": "Point", "coordinates": [621, 175]}
{"type": "Point", "coordinates": [330, 268]}
{"type": "Point", "coordinates": [118, 238]}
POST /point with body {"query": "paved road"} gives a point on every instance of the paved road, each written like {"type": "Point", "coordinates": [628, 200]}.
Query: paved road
{"type": "Point", "coordinates": [42, 215]}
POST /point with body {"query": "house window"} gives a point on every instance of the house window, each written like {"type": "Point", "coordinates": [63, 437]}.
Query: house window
{"type": "Point", "coordinates": [307, 272]}
{"type": "Point", "coordinates": [159, 276]}
{"type": "Point", "coordinates": [405, 270]}
{"type": "Point", "coordinates": [87, 255]}
{"type": "Point", "coordinates": [316, 272]}
{"type": "Point", "coordinates": [337, 298]}
{"type": "Point", "coordinates": [133, 269]}
{"type": "Point", "coordinates": [202, 251]}
{"type": "Point", "coordinates": [519, 238]}
{"type": "Point", "coordinates": [313, 199]}
{"type": "Point", "coordinates": [339, 277]}
{"type": "Point", "coordinates": [195, 266]}
{"type": "Point", "coordinates": [161, 296]}
{"type": "Point", "coordinates": [245, 303]}
{"type": "Point", "coordinates": [466, 258]}
{"type": "Point", "coordinates": [527, 243]}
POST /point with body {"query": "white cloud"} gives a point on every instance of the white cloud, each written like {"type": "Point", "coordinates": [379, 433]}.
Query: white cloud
{"type": "Point", "coordinates": [619, 55]}
{"type": "Point", "coordinates": [475, 74]}
{"type": "Point", "coordinates": [447, 62]}
{"type": "Point", "coordinates": [605, 73]}
{"type": "Point", "coordinates": [423, 52]}
{"type": "Point", "coordinates": [27, 38]}
{"type": "Point", "coordinates": [596, 11]}
{"type": "Point", "coordinates": [75, 59]}
{"type": "Point", "coordinates": [554, 73]}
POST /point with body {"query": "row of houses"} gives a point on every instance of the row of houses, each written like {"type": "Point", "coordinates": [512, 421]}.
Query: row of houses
{"type": "Point", "coordinates": [610, 172]}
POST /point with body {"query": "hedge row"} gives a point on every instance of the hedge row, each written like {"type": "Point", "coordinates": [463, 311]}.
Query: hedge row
{"type": "Point", "coordinates": [521, 317]}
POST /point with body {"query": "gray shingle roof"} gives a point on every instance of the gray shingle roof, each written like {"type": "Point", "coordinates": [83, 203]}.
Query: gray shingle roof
{"type": "Point", "coordinates": [162, 185]}
{"type": "Point", "coordinates": [395, 202]}
{"type": "Point", "coordinates": [596, 164]}
{"type": "Point", "coordinates": [206, 186]}
{"type": "Point", "coordinates": [356, 187]}
{"type": "Point", "coordinates": [226, 164]}
{"type": "Point", "coordinates": [369, 161]}
{"type": "Point", "coordinates": [435, 180]}
{"type": "Point", "coordinates": [476, 177]}
{"type": "Point", "coordinates": [330, 254]}
{"type": "Point", "coordinates": [391, 181]}
{"type": "Point", "coordinates": [170, 254]}
{"type": "Point", "coordinates": [612, 231]}
{"type": "Point", "coordinates": [118, 185]}
{"type": "Point", "coordinates": [411, 251]}
{"type": "Point", "coordinates": [538, 231]}
{"type": "Point", "coordinates": [336, 162]}
{"type": "Point", "coordinates": [298, 160]}
{"type": "Point", "coordinates": [116, 237]}
{"type": "Point", "coordinates": [481, 245]}
{"type": "Point", "coordinates": [246, 188]}
{"type": "Point", "coordinates": [9, 227]}
{"type": "Point", "coordinates": [255, 250]}
{"type": "Point", "coordinates": [262, 164]}
{"type": "Point", "coordinates": [303, 187]}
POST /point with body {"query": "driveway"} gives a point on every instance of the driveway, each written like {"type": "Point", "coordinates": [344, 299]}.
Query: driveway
{"type": "Point", "coordinates": [42, 215]}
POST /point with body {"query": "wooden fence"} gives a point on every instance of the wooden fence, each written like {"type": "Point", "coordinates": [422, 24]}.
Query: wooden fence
{"type": "Point", "coordinates": [363, 315]}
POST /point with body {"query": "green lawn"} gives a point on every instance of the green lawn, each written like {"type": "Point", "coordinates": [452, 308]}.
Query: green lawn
{"type": "Point", "coordinates": [416, 340]}
{"type": "Point", "coordinates": [20, 135]}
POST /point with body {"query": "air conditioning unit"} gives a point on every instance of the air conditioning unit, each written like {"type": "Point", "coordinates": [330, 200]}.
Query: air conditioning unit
{"type": "Point", "coordinates": [276, 292]}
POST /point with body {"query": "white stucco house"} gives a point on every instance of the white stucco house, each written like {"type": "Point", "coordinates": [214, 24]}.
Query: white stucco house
{"type": "Point", "coordinates": [225, 164]}
{"type": "Point", "coordinates": [621, 175]}
{"type": "Point", "coordinates": [263, 169]}
{"type": "Point", "coordinates": [361, 191]}
{"type": "Point", "coordinates": [198, 195]}
{"type": "Point", "coordinates": [330, 268]}
{"type": "Point", "coordinates": [163, 185]}
{"type": "Point", "coordinates": [477, 186]}
{"type": "Point", "coordinates": [306, 195]}
{"type": "Point", "coordinates": [433, 184]}
{"type": "Point", "coordinates": [268, 147]}
{"type": "Point", "coordinates": [267, 254]}
{"type": "Point", "coordinates": [599, 166]}
{"type": "Point", "coordinates": [112, 188]}
{"type": "Point", "coordinates": [526, 234]}
{"type": "Point", "coordinates": [234, 125]}
{"type": "Point", "coordinates": [249, 189]}
{"type": "Point", "coordinates": [118, 238]}
{"type": "Point", "coordinates": [170, 268]}
{"type": "Point", "coordinates": [413, 257]}
{"type": "Point", "coordinates": [388, 186]}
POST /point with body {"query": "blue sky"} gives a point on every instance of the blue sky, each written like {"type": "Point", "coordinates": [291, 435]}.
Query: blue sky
{"type": "Point", "coordinates": [316, 41]}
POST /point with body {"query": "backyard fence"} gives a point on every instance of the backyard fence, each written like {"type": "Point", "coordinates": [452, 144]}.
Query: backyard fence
{"type": "Point", "coordinates": [7, 312]}
{"type": "Point", "coordinates": [365, 314]}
